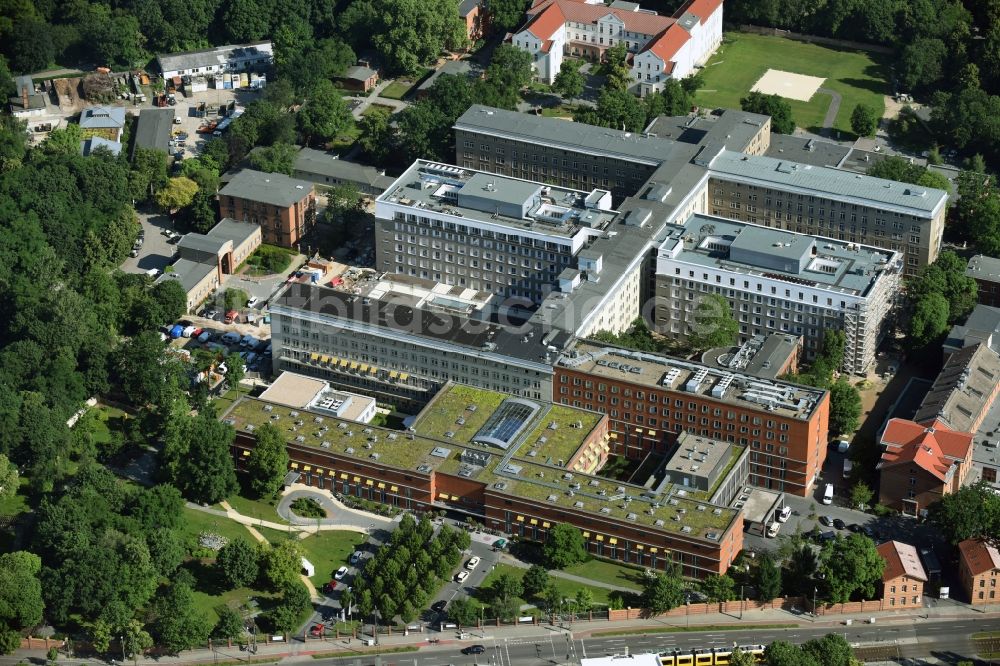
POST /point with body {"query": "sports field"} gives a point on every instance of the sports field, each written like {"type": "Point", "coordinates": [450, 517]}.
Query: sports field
{"type": "Point", "coordinates": [743, 58]}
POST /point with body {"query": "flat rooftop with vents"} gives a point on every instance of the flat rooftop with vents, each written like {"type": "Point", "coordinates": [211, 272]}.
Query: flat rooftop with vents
{"type": "Point", "coordinates": [665, 372]}
{"type": "Point", "coordinates": [497, 203]}
{"type": "Point", "coordinates": [704, 241]}
{"type": "Point", "coordinates": [300, 392]}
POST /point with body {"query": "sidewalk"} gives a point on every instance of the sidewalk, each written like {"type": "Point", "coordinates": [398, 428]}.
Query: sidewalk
{"type": "Point", "coordinates": [297, 650]}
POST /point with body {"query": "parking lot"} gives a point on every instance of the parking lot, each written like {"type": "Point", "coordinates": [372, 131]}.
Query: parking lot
{"type": "Point", "coordinates": [187, 110]}
{"type": "Point", "coordinates": [156, 252]}
{"type": "Point", "coordinates": [217, 329]}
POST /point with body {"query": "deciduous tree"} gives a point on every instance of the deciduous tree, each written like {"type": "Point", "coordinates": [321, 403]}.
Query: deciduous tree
{"type": "Point", "coordinates": [268, 461]}
{"type": "Point", "coordinates": [850, 567]}
{"type": "Point", "coordinates": [718, 588]}
{"type": "Point", "coordinates": [772, 105]}
{"type": "Point", "coordinates": [569, 82]}
{"type": "Point", "coordinates": [661, 592]}
{"type": "Point", "coordinates": [239, 562]}
{"type": "Point", "coordinates": [324, 116]}
{"type": "Point", "coordinates": [178, 193]}
{"type": "Point", "coordinates": [845, 407]}
{"type": "Point", "coordinates": [713, 324]}
{"type": "Point", "coordinates": [207, 475]}
{"type": "Point", "coordinates": [564, 547]}
{"type": "Point", "coordinates": [864, 120]}
{"type": "Point", "coordinates": [535, 580]}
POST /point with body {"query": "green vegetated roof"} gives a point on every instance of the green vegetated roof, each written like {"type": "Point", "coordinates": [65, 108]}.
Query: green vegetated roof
{"type": "Point", "coordinates": [670, 511]}
{"type": "Point", "coordinates": [561, 442]}
{"type": "Point", "coordinates": [531, 477]}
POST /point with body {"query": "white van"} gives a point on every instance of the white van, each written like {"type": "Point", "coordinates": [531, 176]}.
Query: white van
{"type": "Point", "coordinates": [784, 514]}
{"type": "Point", "coordinates": [828, 494]}
{"type": "Point", "coordinates": [772, 530]}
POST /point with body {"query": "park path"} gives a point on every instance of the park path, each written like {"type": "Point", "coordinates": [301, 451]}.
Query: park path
{"type": "Point", "coordinates": [830, 119]}
{"type": "Point", "coordinates": [513, 561]}
{"type": "Point", "coordinates": [230, 511]}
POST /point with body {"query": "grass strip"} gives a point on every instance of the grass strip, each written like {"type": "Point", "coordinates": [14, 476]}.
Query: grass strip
{"type": "Point", "coordinates": [328, 655]}
{"type": "Point", "coordinates": [703, 627]}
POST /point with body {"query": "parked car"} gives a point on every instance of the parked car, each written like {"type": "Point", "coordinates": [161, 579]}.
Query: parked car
{"type": "Point", "coordinates": [253, 301]}
{"type": "Point", "coordinates": [356, 557]}
{"type": "Point", "coordinates": [784, 514]}
{"type": "Point", "coordinates": [439, 606]}
{"type": "Point", "coordinates": [839, 524]}
{"type": "Point", "coordinates": [188, 331]}
{"type": "Point", "coordinates": [317, 630]}
{"type": "Point", "coordinates": [340, 573]}
{"type": "Point", "coordinates": [205, 336]}
{"type": "Point", "coordinates": [826, 521]}
{"type": "Point", "coordinates": [210, 314]}
{"type": "Point", "coordinates": [134, 252]}
{"type": "Point", "coordinates": [474, 649]}
{"type": "Point", "coordinates": [472, 564]}
{"type": "Point", "coordinates": [231, 338]}
{"type": "Point", "coordinates": [231, 316]}
{"type": "Point", "coordinates": [176, 331]}
{"type": "Point", "coordinates": [248, 341]}
{"type": "Point", "coordinates": [462, 575]}
{"type": "Point", "coordinates": [329, 587]}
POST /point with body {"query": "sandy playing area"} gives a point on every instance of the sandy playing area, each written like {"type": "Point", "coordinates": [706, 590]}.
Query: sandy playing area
{"type": "Point", "coordinates": [788, 84]}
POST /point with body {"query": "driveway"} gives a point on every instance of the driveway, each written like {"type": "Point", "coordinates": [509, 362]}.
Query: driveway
{"type": "Point", "coordinates": [338, 513]}
{"type": "Point", "coordinates": [156, 252]}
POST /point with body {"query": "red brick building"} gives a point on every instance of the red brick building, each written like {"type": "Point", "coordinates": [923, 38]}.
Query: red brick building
{"type": "Point", "coordinates": [979, 569]}
{"type": "Point", "coordinates": [986, 272]}
{"type": "Point", "coordinates": [904, 577]}
{"type": "Point", "coordinates": [472, 13]}
{"type": "Point", "coordinates": [285, 208]}
{"type": "Point", "coordinates": [921, 463]}
{"type": "Point", "coordinates": [650, 399]}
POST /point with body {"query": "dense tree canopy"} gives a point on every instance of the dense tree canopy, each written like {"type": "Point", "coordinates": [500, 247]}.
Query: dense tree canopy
{"type": "Point", "coordinates": [771, 105]}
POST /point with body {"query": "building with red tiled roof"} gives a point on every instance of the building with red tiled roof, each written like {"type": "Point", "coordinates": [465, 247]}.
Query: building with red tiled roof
{"type": "Point", "coordinates": [662, 46]}
{"type": "Point", "coordinates": [904, 577]}
{"type": "Point", "coordinates": [920, 463]}
{"type": "Point", "coordinates": [979, 568]}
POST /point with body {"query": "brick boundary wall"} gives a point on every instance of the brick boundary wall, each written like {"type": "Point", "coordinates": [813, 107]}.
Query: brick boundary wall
{"type": "Point", "coordinates": [815, 39]}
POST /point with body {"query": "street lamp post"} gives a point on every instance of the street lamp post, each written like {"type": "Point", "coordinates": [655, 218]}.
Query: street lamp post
{"type": "Point", "coordinates": [815, 589]}
{"type": "Point", "coordinates": [687, 603]}
{"type": "Point", "coordinates": [122, 639]}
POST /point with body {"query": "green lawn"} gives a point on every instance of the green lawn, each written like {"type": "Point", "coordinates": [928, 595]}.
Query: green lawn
{"type": "Point", "coordinates": [196, 522]}
{"type": "Point", "coordinates": [18, 503]}
{"type": "Point", "coordinates": [226, 400]}
{"type": "Point", "coordinates": [259, 509]}
{"type": "Point", "coordinates": [328, 551]}
{"type": "Point", "coordinates": [608, 572]}
{"type": "Point", "coordinates": [567, 588]}
{"type": "Point", "coordinates": [561, 111]}
{"type": "Point", "coordinates": [347, 138]}
{"type": "Point", "coordinates": [107, 419]}
{"type": "Point", "coordinates": [743, 58]}
{"type": "Point", "coordinates": [275, 537]}
{"type": "Point", "coordinates": [374, 107]}
{"type": "Point", "coordinates": [399, 88]}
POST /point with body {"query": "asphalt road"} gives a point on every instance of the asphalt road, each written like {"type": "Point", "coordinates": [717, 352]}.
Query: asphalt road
{"type": "Point", "coordinates": [942, 639]}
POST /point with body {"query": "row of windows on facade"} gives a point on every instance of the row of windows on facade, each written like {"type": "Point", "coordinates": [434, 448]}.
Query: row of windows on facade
{"type": "Point", "coordinates": [543, 173]}
{"type": "Point", "coordinates": [842, 215]}
{"type": "Point", "coordinates": [555, 156]}
{"type": "Point", "coordinates": [474, 264]}
{"type": "Point", "coordinates": [382, 353]}
{"type": "Point", "coordinates": [809, 198]}
{"type": "Point", "coordinates": [746, 285]}
{"type": "Point", "coordinates": [463, 244]}
{"type": "Point", "coordinates": [412, 247]}
{"type": "Point", "coordinates": [508, 289]}
{"type": "Point", "coordinates": [555, 160]}
{"type": "Point", "coordinates": [681, 297]}
{"type": "Point", "coordinates": [664, 423]}
{"type": "Point", "coordinates": [469, 235]}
